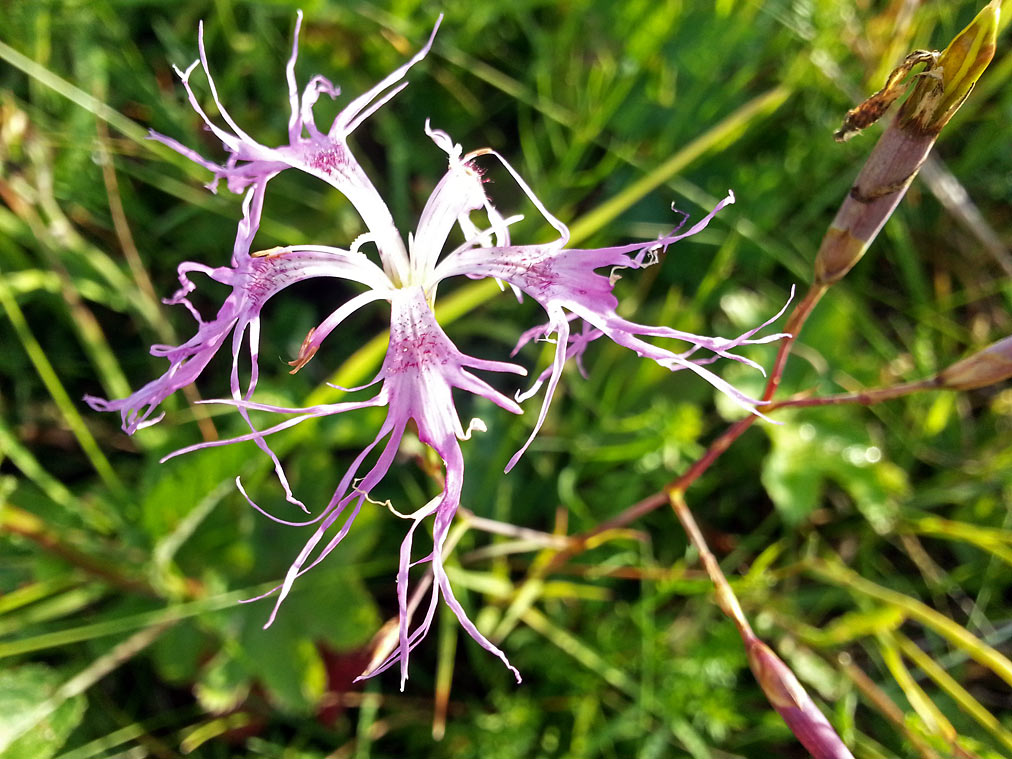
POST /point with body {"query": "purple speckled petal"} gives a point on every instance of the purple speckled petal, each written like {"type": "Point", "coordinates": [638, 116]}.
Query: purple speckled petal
{"type": "Point", "coordinates": [253, 281]}
{"type": "Point", "coordinates": [326, 156]}
{"type": "Point", "coordinates": [420, 370]}
{"type": "Point", "coordinates": [566, 282]}
{"type": "Point", "coordinates": [444, 507]}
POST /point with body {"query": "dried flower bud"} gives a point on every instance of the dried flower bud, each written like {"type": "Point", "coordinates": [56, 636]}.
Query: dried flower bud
{"type": "Point", "coordinates": [983, 368]}
{"type": "Point", "coordinates": [945, 85]}
{"type": "Point", "coordinates": [866, 113]}
{"type": "Point", "coordinates": [794, 704]}
{"type": "Point", "coordinates": [896, 158]}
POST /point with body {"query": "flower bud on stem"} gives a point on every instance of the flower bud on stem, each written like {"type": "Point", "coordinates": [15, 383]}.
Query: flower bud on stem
{"type": "Point", "coordinates": [939, 91]}
{"type": "Point", "coordinates": [778, 682]}
{"type": "Point", "coordinates": [986, 367]}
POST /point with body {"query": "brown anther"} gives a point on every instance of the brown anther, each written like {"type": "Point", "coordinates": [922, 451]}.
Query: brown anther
{"type": "Point", "coordinates": [306, 352]}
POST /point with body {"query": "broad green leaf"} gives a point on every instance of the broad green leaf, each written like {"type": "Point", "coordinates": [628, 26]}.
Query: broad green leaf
{"type": "Point", "coordinates": [819, 446]}
{"type": "Point", "coordinates": [21, 690]}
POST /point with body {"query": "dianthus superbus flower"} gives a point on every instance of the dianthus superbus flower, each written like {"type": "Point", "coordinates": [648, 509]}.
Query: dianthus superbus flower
{"type": "Point", "coordinates": [422, 365]}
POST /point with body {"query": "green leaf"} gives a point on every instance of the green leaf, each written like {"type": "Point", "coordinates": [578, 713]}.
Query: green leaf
{"type": "Point", "coordinates": [333, 608]}
{"type": "Point", "coordinates": [180, 484]}
{"type": "Point", "coordinates": [831, 445]}
{"type": "Point", "coordinates": [791, 482]}
{"type": "Point", "coordinates": [285, 662]}
{"type": "Point", "coordinates": [21, 692]}
{"type": "Point", "coordinates": [223, 684]}
{"type": "Point", "coordinates": [178, 651]}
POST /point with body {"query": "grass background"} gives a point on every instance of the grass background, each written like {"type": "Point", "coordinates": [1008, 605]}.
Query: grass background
{"type": "Point", "coordinates": [871, 546]}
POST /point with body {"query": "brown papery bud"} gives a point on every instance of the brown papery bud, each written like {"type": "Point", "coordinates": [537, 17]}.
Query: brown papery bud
{"type": "Point", "coordinates": [986, 367]}
{"type": "Point", "coordinates": [945, 85]}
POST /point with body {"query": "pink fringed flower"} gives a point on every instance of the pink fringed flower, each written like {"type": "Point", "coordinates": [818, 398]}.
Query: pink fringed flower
{"type": "Point", "coordinates": [422, 365]}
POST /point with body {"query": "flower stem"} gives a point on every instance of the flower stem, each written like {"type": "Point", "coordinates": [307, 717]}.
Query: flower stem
{"type": "Point", "coordinates": [781, 686]}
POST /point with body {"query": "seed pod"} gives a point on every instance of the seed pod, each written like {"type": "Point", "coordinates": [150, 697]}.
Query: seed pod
{"type": "Point", "coordinates": [986, 367]}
